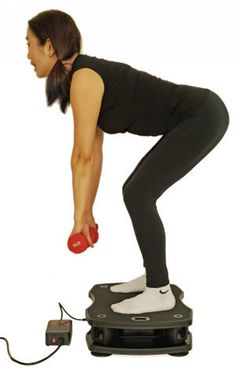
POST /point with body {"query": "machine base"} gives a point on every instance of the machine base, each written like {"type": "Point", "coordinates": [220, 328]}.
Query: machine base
{"type": "Point", "coordinates": [164, 332]}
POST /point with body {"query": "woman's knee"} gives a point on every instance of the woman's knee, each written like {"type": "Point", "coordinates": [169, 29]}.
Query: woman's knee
{"type": "Point", "coordinates": [128, 193]}
{"type": "Point", "coordinates": [133, 196]}
{"type": "Point", "coordinates": [221, 111]}
{"type": "Point", "coordinates": [224, 126]}
{"type": "Point", "coordinates": [221, 126]}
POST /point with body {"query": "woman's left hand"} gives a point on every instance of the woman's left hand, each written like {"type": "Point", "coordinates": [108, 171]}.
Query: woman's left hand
{"type": "Point", "coordinates": [83, 227]}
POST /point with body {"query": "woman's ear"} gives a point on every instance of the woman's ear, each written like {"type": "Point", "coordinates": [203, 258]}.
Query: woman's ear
{"type": "Point", "coordinates": [49, 48]}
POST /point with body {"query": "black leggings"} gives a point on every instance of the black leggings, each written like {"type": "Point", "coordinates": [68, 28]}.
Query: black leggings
{"type": "Point", "coordinates": [173, 156]}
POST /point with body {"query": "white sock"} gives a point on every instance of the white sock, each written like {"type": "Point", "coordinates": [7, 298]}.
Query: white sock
{"type": "Point", "coordinates": [151, 300]}
{"type": "Point", "coordinates": [137, 284]}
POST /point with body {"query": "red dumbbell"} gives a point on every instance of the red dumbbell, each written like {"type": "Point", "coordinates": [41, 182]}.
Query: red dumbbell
{"type": "Point", "coordinates": [78, 243]}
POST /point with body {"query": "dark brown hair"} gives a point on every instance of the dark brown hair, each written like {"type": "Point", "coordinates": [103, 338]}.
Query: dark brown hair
{"type": "Point", "coordinates": [66, 39]}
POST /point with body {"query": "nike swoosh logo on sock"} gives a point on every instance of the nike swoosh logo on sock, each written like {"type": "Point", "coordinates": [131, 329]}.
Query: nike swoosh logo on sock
{"type": "Point", "coordinates": [164, 292]}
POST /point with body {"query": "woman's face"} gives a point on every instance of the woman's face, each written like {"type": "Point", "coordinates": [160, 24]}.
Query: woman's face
{"type": "Point", "coordinates": [42, 57]}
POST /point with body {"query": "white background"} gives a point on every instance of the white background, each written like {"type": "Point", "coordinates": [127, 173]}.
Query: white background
{"type": "Point", "coordinates": [187, 42]}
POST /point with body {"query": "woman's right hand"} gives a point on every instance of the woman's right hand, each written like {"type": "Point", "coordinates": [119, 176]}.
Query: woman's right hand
{"type": "Point", "coordinates": [90, 219]}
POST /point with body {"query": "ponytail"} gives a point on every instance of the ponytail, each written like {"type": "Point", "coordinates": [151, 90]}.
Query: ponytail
{"type": "Point", "coordinates": [58, 86]}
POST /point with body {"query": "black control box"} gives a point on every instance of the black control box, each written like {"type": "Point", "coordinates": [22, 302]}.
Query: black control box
{"type": "Point", "coordinates": [59, 332]}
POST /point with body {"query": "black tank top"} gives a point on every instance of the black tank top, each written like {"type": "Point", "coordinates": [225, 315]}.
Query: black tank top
{"type": "Point", "coordinates": [138, 102]}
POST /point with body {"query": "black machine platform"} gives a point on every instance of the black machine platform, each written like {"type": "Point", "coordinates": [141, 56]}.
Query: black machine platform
{"type": "Point", "coordinates": [164, 332]}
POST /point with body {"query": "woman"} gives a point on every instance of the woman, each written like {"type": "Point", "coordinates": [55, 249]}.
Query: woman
{"type": "Point", "coordinates": [113, 97]}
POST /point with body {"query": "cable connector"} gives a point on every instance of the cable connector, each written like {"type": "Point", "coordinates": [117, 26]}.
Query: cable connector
{"type": "Point", "coordinates": [59, 332]}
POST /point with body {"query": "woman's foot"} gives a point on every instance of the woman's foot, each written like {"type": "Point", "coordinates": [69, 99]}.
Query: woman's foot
{"type": "Point", "coordinates": [151, 300]}
{"type": "Point", "coordinates": [137, 284]}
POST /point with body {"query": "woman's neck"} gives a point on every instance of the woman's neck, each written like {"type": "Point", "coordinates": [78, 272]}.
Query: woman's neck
{"type": "Point", "coordinates": [69, 62]}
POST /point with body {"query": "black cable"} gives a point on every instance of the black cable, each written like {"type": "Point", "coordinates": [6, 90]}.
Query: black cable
{"type": "Point", "coordinates": [42, 360]}
{"type": "Point", "coordinates": [62, 309]}
{"type": "Point", "coordinates": [22, 363]}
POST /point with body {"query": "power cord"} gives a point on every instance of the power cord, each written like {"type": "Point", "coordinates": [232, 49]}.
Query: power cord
{"type": "Point", "coordinates": [62, 309]}
{"type": "Point", "coordinates": [42, 360]}
{"type": "Point", "coordinates": [22, 363]}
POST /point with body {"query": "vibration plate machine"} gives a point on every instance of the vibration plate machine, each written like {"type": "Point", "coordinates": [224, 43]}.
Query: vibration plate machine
{"type": "Point", "coordinates": [163, 332]}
